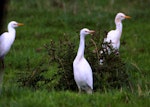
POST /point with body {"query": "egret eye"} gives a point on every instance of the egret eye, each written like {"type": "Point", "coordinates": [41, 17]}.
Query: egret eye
{"type": "Point", "coordinates": [14, 24]}
{"type": "Point", "coordinates": [122, 16]}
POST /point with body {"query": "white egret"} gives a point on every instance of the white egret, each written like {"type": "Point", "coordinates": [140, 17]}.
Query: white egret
{"type": "Point", "coordinates": [7, 39]}
{"type": "Point", "coordinates": [82, 71]}
{"type": "Point", "coordinates": [114, 36]}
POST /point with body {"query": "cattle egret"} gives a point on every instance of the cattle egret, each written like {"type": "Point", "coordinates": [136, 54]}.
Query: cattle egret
{"type": "Point", "coordinates": [113, 36]}
{"type": "Point", "coordinates": [82, 70]}
{"type": "Point", "coordinates": [7, 39]}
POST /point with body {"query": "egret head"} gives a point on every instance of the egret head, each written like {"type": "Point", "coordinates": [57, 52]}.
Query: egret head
{"type": "Point", "coordinates": [86, 31]}
{"type": "Point", "coordinates": [120, 17]}
{"type": "Point", "coordinates": [14, 24]}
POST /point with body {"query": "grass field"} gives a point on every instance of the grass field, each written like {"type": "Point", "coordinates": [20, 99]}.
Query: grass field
{"type": "Point", "coordinates": [51, 19]}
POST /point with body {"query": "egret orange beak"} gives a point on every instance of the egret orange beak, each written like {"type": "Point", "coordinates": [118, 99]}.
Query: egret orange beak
{"type": "Point", "coordinates": [20, 24]}
{"type": "Point", "coordinates": [127, 17]}
{"type": "Point", "coordinates": [91, 31]}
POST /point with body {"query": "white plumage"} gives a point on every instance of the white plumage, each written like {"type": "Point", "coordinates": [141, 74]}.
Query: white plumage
{"type": "Point", "coordinates": [7, 39]}
{"type": "Point", "coordinates": [82, 70]}
{"type": "Point", "coordinates": [114, 36]}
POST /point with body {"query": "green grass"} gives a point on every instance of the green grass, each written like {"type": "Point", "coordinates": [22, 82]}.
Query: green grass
{"type": "Point", "coordinates": [45, 20]}
{"type": "Point", "coordinates": [27, 98]}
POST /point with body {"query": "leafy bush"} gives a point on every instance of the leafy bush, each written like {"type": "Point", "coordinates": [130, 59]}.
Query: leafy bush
{"type": "Point", "coordinates": [60, 55]}
{"type": "Point", "coordinates": [113, 73]}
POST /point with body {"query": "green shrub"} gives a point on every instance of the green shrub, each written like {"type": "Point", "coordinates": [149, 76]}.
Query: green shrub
{"type": "Point", "coordinates": [60, 55]}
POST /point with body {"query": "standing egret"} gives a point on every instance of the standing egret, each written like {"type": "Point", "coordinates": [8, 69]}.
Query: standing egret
{"type": "Point", "coordinates": [82, 71]}
{"type": "Point", "coordinates": [7, 39]}
{"type": "Point", "coordinates": [114, 36]}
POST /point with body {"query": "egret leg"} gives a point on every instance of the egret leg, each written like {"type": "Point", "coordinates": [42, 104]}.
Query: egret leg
{"type": "Point", "coordinates": [1, 74]}
{"type": "Point", "coordinates": [89, 91]}
{"type": "Point", "coordinates": [3, 65]}
{"type": "Point", "coordinates": [79, 90]}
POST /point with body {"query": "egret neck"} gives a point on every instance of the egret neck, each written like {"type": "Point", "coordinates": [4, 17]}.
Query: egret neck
{"type": "Point", "coordinates": [12, 33]}
{"type": "Point", "coordinates": [80, 53]}
{"type": "Point", "coordinates": [119, 27]}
